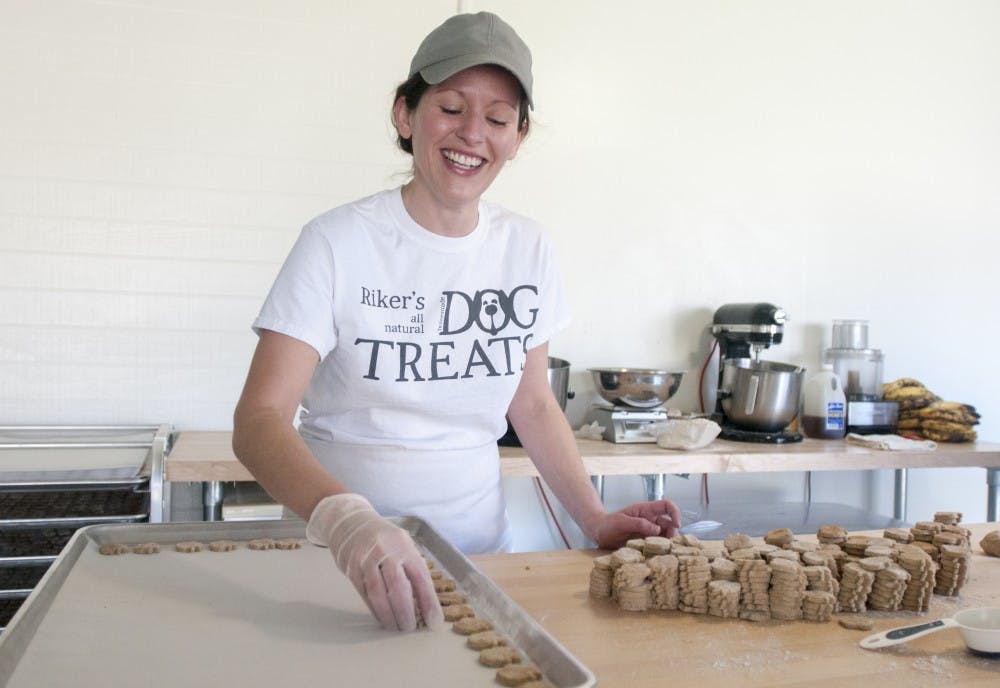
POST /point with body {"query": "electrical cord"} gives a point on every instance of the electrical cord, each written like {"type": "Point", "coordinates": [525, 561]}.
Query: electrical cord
{"type": "Point", "coordinates": [701, 402]}
{"type": "Point", "coordinates": [701, 377]}
{"type": "Point", "coordinates": [552, 513]}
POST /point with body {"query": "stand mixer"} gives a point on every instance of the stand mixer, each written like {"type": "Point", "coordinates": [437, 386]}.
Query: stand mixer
{"type": "Point", "coordinates": [756, 399]}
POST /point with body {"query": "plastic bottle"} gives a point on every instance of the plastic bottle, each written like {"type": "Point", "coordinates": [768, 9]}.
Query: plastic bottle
{"type": "Point", "coordinates": [824, 406]}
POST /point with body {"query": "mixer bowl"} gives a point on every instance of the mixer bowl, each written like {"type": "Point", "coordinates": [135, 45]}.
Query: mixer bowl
{"type": "Point", "coordinates": [636, 387]}
{"type": "Point", "coordinates": [760, 395]}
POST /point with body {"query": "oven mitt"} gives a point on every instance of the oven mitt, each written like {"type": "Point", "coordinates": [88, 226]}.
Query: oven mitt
{"type": "Point", "coordinates": [380, 559]}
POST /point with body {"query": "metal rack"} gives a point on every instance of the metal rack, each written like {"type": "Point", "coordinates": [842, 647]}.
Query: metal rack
{"type": "Point", "coordinates": [55, 479]}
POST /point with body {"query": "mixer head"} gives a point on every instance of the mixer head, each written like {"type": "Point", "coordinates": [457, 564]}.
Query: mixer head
{"type": "Point", "coordinates": [742, 327]}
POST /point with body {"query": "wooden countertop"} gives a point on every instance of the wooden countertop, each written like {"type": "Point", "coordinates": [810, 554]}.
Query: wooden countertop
{"type": "Point", "coordinates": [656, 649]}
{"type": "Point", "coordinates": [207, 456]}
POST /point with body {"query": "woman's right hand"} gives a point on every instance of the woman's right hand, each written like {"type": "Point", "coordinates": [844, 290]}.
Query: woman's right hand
{"type": "Point", "coordinates": [380, 559]}
{"type": "Point", "coordinates": [661, 517]}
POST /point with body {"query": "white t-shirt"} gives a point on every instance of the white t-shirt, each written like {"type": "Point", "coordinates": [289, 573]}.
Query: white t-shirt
{"type": "Point", "coordinates": [422, 340]}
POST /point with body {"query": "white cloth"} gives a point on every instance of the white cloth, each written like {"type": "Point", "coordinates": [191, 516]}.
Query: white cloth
{"type": "Point", "coordinates": [684, 433]}
{"type": "Point", "coordinates": [422, 340]}
{"type": "Point", "coordinates": [890, 442]}
{"type": "Point", "coordinates": [594, 431]}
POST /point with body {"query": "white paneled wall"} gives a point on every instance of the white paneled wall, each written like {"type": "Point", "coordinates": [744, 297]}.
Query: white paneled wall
{"type": "Point", "coordinates": [156, 162]}
{"type": "Point", "coordinates": [841, 159]}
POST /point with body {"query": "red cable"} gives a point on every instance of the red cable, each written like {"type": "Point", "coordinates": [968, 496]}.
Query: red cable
{"type": "Point", "coordinates": [701, 378]}
{"type": "Point", "coordinates": [538, 481]}
{"type": "Point", "coordinates": [701, 401]}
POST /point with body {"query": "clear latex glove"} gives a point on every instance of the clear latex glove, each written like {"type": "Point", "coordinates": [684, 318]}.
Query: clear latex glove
{"type": "Point", "coordinates": [380, 559]}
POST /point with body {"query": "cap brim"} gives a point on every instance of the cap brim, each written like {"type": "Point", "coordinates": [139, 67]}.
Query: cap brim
{"type": "Point", "coordinates": [440, 71]}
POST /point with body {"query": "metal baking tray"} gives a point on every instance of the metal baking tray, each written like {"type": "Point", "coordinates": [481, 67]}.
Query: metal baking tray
{"type": "Point", "coordinates": [80, 457]}
{"type": "Point", "coordinates": [253, 617]}
{"type": "Point", "coordinates": [72, 508]}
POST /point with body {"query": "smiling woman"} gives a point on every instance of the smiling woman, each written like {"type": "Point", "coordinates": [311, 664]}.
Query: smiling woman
{"type": "Point", "coordinates": [409, 326]}
{"type": "Point", "coordinates": [462, 132]}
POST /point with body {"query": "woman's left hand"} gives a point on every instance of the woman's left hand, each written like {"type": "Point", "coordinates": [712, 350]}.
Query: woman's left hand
{"type": "Point", "coordinates": [647, 519]}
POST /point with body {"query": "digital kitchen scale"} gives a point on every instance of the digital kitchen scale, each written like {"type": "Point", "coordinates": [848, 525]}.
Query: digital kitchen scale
{"type": "Point", "coordinates": [626, 424]}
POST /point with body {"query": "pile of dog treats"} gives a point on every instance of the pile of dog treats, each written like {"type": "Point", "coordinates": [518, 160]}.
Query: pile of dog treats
{"type": "Point", "coordinates": [786, 578]}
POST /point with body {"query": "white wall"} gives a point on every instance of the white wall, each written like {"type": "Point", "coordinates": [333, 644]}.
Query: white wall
{"type": "Point", "coordinates": [839, 159]}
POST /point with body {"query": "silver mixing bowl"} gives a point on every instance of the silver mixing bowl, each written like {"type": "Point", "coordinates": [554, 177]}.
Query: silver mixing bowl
{"type": "Point", "coordinates": [760, 395]}
{"type": "Point", "coordinates": [638, 387]}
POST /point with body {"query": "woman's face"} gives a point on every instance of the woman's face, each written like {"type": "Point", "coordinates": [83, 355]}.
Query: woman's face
{"type": "Point", "coordinates": [463, 131]}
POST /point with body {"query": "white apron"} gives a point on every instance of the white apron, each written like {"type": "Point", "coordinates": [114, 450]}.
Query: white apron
{"type": "Point", "coordinates": [458, 492]}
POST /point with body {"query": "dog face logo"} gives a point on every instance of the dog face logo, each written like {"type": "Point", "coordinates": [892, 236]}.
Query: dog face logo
{"type": "Point", "coordinates": [492, 310]}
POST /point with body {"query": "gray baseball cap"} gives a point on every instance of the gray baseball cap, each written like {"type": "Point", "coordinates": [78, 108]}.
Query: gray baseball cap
{"type": "Point", "coordinates": [467, 40]}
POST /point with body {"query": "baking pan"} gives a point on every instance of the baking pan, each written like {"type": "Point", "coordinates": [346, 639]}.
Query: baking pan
{"type": "Point", "coordinates": [42, 541]}
{"type": "Point", "coordinates": [251, 617]}
{"type": "Point", "coordinates": [70, 457]}
{"type": "Point", "coordinates": [71, 508]}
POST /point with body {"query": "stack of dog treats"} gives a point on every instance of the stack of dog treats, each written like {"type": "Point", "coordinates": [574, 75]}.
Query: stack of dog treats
{"type": "Point", "coordinates": [788, 579]}
{"type": "Point", "coordinates": [924, 414]}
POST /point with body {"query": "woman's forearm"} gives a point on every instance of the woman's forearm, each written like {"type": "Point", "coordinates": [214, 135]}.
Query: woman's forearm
{"type": "Point", "coordinates": [278, 458]}
{"type": "Point", "coordinates": [264, 438]}
{"type": "Point", "coordinates": [546, 436]}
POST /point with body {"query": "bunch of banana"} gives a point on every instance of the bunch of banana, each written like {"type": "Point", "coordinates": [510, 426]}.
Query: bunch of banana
{"type": "Point", "coordinates": [923, 413]}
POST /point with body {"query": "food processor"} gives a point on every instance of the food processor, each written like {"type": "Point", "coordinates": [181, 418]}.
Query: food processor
{"type": "Point", "coordinates": [756, 400]}
{"type": "Point", "coordinates": [860, 371]}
